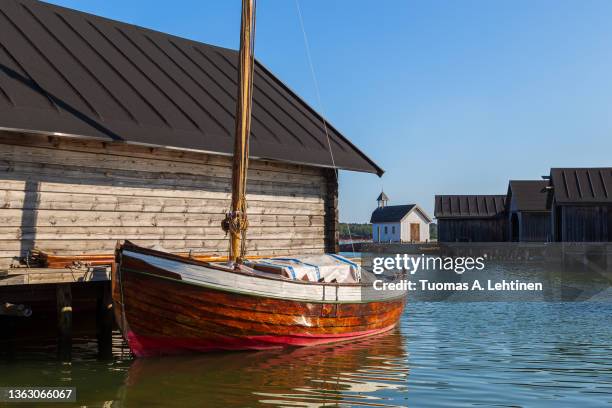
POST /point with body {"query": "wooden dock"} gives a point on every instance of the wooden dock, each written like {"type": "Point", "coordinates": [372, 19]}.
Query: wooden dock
{"type": "Point", "coordinates": [31, 296]}
{"type": "Point", "coordinates": [32, 276]}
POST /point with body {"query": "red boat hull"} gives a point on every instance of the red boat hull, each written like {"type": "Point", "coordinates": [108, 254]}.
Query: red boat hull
{"type": "Point", "coordinates": [145, 346]}
{"type": "Point", "coordinates": [160, 315]}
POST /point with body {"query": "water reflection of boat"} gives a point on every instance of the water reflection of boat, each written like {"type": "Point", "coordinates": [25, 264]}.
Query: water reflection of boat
{"type": "Point", "coordinates": [353, 373]}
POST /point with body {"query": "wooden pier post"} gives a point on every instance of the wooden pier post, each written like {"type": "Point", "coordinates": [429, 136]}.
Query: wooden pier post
{"type": "Point", "coordinates": [64, 320]}
{"type": "Point", "coordinates": [7, 336]}
{"type": "Point", "coordinates": [104, 321]}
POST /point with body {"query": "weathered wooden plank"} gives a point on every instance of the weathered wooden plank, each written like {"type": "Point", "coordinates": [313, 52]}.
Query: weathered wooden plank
{"type": "Point", "coordinates": [105, 202]}
{"type": "Point", "coordinates": [48, 275]}
{"type": "Point", "coordinates": [43, 218]}
{"type": "Point", "coordinates": [41, 173]}
{"type": "Point", "coordinates": [135, 151]}
{"type": "Point", "coordinates": [37, 186]}
{"type": "Point", "coordinates": [72, 246]}
{"type": "Point", "coordinates": [6, 257]}
{"type": "Point", "coordinates": [30, 154]}
{"type": "Point", "coordinates": [131, 233]}
{"type": "Point", "coordinates": [13, 279]}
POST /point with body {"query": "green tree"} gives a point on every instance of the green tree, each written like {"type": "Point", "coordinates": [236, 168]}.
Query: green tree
{"type": "Point", "coordinates": [361, 231]}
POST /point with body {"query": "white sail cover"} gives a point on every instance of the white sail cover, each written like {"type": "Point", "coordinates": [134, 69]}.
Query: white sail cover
{"type": "Point", "coordinates": [313, 268]}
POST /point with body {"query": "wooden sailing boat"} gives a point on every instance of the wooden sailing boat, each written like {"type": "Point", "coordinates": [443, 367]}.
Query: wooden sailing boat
{"type": "Point", "coordinates": [167, 304]}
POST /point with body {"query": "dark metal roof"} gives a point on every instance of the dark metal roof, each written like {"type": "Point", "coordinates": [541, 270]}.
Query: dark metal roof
{"type": "Point", "coordinates": [469, 206]}
{"type": "Point", "coordinates": [391, 213]}
{"type": "Point", "coordinates": [529, 195]}
{"type": "Point", "coordinates": [71, 73]}
{"type": "Point", "coordinates": [582, 185]}
{"type": "Point", "coordinates": [382, 197]}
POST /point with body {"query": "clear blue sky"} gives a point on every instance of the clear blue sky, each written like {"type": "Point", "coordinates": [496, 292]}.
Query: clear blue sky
{"type": "Point", "coordinates": [449, 97]}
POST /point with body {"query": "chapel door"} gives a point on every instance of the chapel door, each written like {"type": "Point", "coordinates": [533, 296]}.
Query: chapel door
{"type": "Point", "coordinates": [415, 232]}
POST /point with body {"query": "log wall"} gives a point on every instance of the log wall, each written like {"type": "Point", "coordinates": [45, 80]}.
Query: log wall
{"type": "Point", "coordinates": [76, 196]}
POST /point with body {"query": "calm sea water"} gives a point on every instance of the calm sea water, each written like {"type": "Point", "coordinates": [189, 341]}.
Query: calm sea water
{"type": "Point", "coordinates": [443, 354]}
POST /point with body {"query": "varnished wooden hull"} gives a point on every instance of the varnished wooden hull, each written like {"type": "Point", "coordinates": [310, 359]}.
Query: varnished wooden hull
{"type": "Point", "coordinates": [162, 315]}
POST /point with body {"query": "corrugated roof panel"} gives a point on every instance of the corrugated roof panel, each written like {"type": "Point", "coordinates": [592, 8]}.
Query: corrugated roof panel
{"type": "Point", "coordinates": [469, 206]}
{"type": "Point", "coordinates": [606, 180]}
{"type": "Point", "coordinates": [111, 69]}
{"type": "Point", "coordinates": [36, 69]}
{"type": "Point", "coordinates": [573, 185]}
{"type": "Point", "coordinates": [67, 72]}
{"type": "Point", "coordinates": [491, 207]}
{"type": "Point", "coordinates": [597, 184]}
{"type": "Point", "coordinates": [29, 94]}
{"type": "Point", "coordinates": [472, 206]}
{"type": "Point", "coordinates": [582, 185]}
{"type": "Point", "coordinates": [500, 204]}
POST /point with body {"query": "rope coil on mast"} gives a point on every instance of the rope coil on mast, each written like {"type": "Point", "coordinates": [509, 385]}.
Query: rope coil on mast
{"type": "Point", "coordinates": [236, 222]}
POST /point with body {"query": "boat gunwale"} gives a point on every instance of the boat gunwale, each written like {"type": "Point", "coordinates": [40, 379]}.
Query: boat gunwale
{"type": "Point", "coordinates": [240, 292]}
{"type": "Point", "coordinates": [161, 254]}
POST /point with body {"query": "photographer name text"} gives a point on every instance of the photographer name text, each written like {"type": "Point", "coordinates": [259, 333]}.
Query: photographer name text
{"type": "Point", "coordinates": [476, 285]}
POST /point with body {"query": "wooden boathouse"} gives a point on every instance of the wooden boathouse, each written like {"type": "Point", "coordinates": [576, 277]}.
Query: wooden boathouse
{"type": "Point", "coordinates": [471, 218]}
{"type": "Point", "coordinates": [112, 131]}
{"type": "Point", "coordinates": [109, 131]}
{"type": "Point", "coordinates": [529, 211]}
{"type": "Point", "coordinates": [581, 204]}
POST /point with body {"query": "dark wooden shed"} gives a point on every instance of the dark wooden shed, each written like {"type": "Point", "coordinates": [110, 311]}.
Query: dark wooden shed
{"type": "Point", "coordinates": [471, 218]}
{"type": "Point", "coordinates": [528, 211]}
{"type": "Point", "coordinates": [581, 204]}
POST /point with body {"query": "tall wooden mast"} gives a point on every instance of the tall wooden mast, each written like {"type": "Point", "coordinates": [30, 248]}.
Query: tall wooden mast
{"type": "Point", "coordinates": [236, 220]}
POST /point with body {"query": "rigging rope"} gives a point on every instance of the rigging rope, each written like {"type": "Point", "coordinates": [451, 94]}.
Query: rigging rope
{"type": "Point", "coordinates": [318, 95]}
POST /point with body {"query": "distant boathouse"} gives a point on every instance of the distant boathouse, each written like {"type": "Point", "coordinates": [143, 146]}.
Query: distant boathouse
{"type": "Point", "coordinates": [581, 204]}
{"type": "Point", "coordinates": [529, 211]}
{"type": "Point", "coordinates": [471, 218]}
{"type": "Point", "coordinates": [569, 205]}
